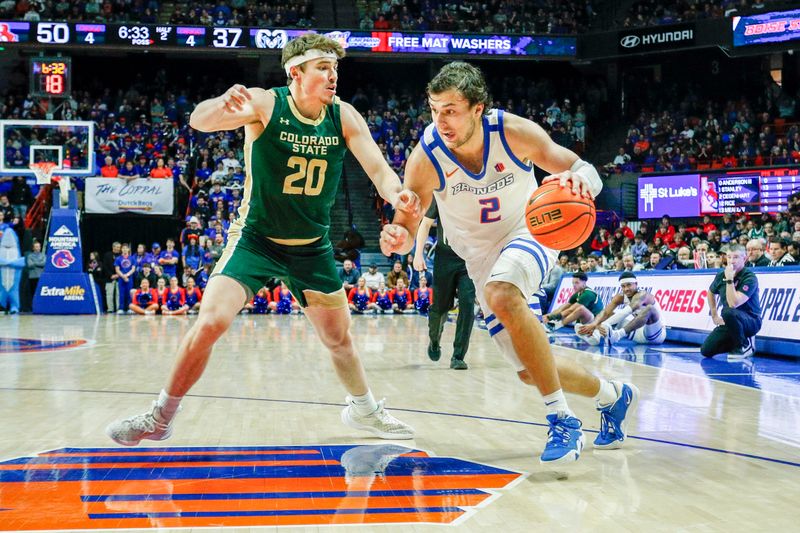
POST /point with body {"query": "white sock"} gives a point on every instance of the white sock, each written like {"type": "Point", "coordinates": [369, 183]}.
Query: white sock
{"type": "Point", "coordinates": [168, 405]}
{"type": "Point", "coordinates": [364, 405]}
{"type": "Point", "coordinates": [555, 402]}
{"type": "Point", "coordinates": [607, 394]}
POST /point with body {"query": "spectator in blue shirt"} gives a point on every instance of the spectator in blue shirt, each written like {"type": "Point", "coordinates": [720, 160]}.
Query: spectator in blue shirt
{"type": "Point", "coordinates": [192, 258]}
{"type": "Point", "coordinates": [128, 172]}
{"type": "Point", "coordinates": [168, 259]}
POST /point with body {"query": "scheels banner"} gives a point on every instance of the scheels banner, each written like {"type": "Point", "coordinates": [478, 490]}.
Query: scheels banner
{"type": "Point", "coordinates": [682, 297]}
{"type": "Point", "coordinates": [145, 196]}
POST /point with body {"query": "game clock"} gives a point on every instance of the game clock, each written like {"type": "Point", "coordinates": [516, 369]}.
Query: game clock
{"type": "Point", "coordinates": [50, 77]}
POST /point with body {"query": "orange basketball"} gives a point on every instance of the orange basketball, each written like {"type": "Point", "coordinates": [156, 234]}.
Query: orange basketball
{"type": "Point", "coordinates": [559, 219]}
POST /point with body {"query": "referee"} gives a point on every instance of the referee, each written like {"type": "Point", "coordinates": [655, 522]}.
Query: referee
{"type": "Point", "coordinates": [449, 278]}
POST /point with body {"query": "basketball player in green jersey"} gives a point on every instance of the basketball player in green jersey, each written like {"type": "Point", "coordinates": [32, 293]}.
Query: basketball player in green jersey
{"type": "Point", "coordinates": [295, 141]}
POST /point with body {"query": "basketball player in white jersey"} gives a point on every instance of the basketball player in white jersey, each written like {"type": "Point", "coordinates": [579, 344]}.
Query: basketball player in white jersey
{"type": "Point", "coordinates": [479, 166]}
{"type": "Point", "coordinates": [639, 319]}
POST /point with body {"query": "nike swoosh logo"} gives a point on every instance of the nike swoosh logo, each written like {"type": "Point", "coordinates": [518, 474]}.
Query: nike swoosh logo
{"type": "Point", "coordinates": [498, 274]}
{"type": "Point", "coordinates": [448, 174]}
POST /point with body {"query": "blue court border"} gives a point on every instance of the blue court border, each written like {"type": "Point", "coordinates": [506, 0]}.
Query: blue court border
{"type": "Point", "coordinates": [418, 411]}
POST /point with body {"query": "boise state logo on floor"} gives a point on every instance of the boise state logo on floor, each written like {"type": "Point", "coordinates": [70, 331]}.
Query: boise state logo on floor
{"type": "Point", "coordinates": [126, 488]}
{"type": "Point", "coordinates": [16, 345]}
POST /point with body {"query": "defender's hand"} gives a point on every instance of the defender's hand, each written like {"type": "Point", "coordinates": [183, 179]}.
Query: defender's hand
{"type": "Point", "coordinates": [234, 98]}
{"type": "Point", "coordinates": [407, 202]}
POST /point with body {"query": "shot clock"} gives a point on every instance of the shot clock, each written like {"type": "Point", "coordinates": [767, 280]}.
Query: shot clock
{"type": "Point", "coordinates": [50, 77]}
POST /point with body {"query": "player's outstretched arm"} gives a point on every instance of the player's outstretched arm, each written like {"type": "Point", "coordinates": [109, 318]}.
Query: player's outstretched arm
{"type": "Point", "coordinates": [421, 179]}
{"type": "Point", "coordinates": [529, 141]}
{"type": "Point", "coordinates": [236, 107]}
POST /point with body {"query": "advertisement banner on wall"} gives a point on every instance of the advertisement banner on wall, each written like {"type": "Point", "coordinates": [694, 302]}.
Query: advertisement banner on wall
{"type": "Point", "coordinates": [145, 196]}
{"type": "Point", "coordinates": [677, 196]}
{"type": "Point", "coordinates": [657, 38]}
{"type": "Point", "coordinates": [682, 297]}
{"type": "Point", "coordinates": [766, 28]}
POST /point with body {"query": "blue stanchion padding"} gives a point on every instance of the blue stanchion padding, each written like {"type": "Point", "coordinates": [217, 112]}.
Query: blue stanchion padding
{"type": "Point", "coordinates": [64, 252]}
{"type": "Point", "coordinates": [66, 294]}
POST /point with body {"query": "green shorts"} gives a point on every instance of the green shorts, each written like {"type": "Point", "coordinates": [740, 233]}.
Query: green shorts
{"type": "Point", "coordinates": [253, 260]}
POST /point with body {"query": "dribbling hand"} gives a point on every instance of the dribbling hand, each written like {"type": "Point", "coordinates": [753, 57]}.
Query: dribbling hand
{"type": "Point", "coordinates": [393, 238]}
{"type": "Point", "coordinates": [578, 183]}
{"type": "Point", "coordinates": [235, 98]}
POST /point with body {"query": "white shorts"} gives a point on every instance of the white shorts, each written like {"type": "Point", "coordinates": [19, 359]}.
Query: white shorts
{"type": "Point", "coordinates": [648, 334]}
{"type": "Point", "coordinates": [518, 260]}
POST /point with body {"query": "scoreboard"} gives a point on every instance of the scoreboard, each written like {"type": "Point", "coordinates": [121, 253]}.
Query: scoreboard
{"type": "Point", "coordinates": [748, 191]}
{"type": "Point", "coordinates": [717, 192]}
{"type": "Point", "coordinates": [167, 36]}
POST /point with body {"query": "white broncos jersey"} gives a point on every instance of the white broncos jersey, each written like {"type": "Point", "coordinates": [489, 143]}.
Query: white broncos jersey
{"type": "Point", "coordinates": [481, 210]}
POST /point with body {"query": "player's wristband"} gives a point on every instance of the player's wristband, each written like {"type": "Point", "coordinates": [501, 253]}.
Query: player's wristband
{"type": "Point", "coordinates": [728, 281]}
{"type": "Point", "coordinates": [589, 173]}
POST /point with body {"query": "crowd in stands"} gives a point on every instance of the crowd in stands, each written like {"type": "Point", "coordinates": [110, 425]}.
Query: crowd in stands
{"type": "Point", "coordinates": [700, 133]}
{"type": "Point", "coordinates": [511, 16]}
{"type": "Point", "coordinates": [275, 13]}
{"type": "Point", "coordinates": [74, 10]}
{"type": "Point", "coordinates": [657, 12]}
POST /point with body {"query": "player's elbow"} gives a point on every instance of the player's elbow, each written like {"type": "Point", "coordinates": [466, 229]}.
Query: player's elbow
{"type": "Point", "coordinates": [196, 123]}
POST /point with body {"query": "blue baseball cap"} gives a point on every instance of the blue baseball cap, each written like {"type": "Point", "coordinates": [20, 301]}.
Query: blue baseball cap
{"type": "Point", "coordinates": [156, 245]}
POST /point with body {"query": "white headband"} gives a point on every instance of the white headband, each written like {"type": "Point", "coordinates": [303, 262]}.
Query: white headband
{"type": "Point", "coordinates": [308, 55]}
{"type": "Point", "coordinates": [623, 281]}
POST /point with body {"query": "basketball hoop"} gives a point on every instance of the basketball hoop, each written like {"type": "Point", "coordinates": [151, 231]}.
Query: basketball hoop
{"type": "Point", "coordinates": [44, 176]}
{"type": "Point", "coordinates": [43, 171]}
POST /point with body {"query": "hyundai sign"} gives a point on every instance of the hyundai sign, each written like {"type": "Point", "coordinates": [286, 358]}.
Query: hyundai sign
{"type": "Point", "coordinates": [774, 27]}
{"type": "Point", "coordinates": [659, 38]}
{"type": "Point", "coordinates": [676, 196]}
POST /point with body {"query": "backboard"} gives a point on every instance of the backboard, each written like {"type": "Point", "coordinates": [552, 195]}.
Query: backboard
{"type": "Point", "coordinates": [68, 143]}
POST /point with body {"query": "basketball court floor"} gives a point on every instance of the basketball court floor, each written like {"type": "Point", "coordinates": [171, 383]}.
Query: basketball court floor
{"type": "Point", "coordinates": [714, 446]}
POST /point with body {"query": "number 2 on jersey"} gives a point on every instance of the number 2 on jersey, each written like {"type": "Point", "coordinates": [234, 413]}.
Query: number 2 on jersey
{"type": "Point", "coordinates": [312, 171]}
{"type": "Point", "coordinates": [492, 205]}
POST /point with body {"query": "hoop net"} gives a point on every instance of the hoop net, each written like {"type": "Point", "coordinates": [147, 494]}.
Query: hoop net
{"type": "Point", "coordinates": [44, 176]}
{"type": "Point", "coordinates": [43, 171]}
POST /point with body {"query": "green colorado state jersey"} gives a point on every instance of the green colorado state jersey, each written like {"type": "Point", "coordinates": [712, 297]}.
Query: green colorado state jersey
{"type": "Point", "coordinates": [293, 173]}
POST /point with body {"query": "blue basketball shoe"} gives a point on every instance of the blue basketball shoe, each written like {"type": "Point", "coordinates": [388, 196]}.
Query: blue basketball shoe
{"type": "Point", "coordinates": [564, 440]}
{"type": "Point", "coordinates": [614, 417]}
